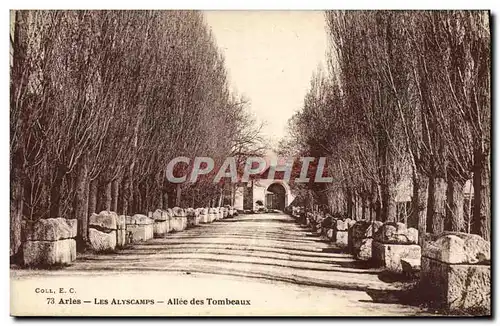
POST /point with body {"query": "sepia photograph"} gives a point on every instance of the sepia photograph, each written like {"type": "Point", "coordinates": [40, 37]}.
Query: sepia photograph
{"type": "Point", "coordinates": [250, 163]}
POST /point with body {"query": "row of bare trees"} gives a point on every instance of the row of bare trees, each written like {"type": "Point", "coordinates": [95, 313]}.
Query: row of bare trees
{"type": "Point", "coordinates": [406, 97]}
{"type": "Point", "coordinates": [101, 101]}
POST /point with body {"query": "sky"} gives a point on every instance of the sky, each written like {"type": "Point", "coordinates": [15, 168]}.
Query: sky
{"type": "Point", "coordinates": [270, 58]}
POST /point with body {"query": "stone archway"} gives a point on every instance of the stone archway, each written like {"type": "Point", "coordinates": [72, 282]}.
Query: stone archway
{"type": "Point", "coordinates": [276, 196]}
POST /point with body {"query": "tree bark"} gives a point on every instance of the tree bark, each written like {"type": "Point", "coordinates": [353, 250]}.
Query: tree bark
{"type": "Point", "coordinates": [81, 202]}
{"type": "Point", "coordinates": [92, 197]}
{"type": "Point", "coordinates": [104, 196]}
{"type": "Point", "coordinates": [389, 209]}
{"type": "Point", "coordinates": [439, 215]}
{"type": "Point", "coordinates": [115, 189]}
{"type": "Point", "coordinates": [455, 205]}
{"type": "Point", "coordinates": [419, 201]}
{"type": "Point", "coordinates": [482, 206]}
{"type": "Point", "coordinates": [430, 204]}
{"type": "Point", "coordinates": [178, 195]}
{"type": "Point", "coordinates": [55, 193]}
{"type": "Point", "coordinates": [124, 195]}
{"type": "Point", "coordinates": [16, 213]}
{"type": "Point", "coordinates": [349, 201]}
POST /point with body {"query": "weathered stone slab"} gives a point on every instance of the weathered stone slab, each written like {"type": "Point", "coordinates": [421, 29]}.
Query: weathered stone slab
{"type": "Point", "coordinates": [362, 248]}
{"type": "Point", "coordinates": [102, 241]}
{"type": "Point", "coordinates": [160, 228]}
{"type": "Point", "coordinates": [178, 223]}
{"type": "Point", "coordinates": [139, 219]}
{"type": "Point", "coordinates": [46, 253]}
{"type": "Point", "coordinates": [396, 233]}
{"type": "Point", "coordinates": [211, 214]}
{"type": "Point", "coordinates": [105, 220]}
{"type": "Point", "coordinates": [390, 255]}
{"type": "Point", "coordinates": [461, 288]}
{"type": "Point", "coordinates": [361, 230]}
{"type": "Point", "coordinates": [51, 229]}
{"type": "Point", "coordinates": [177, 211]}
{"type": "Point", "coordinates": [140, 232]}
{"type": "Point", "coordinates": [121, 222]}
{"type": "Point", "coordinates": [192, 221]}
{"type": "Point", "coordinates": [361, 238]}
{"type": "Point", "coordinates": [329, 234]}
{"type": "Point", "coordinates": [121, 231]}
{"type": "Point", "coordinates": [411, 266]}
{"type": "Point", "coordinates": [340, 225]}
{"type": "Point", "coordinates": [340, 238]}
{"type": "Point", "coordinates": [160, 215]}
{"type": "Point", "coordinates": [350, 223]}
{"type": "Point", "coordinates": [458, 248]}
{"type": "Point", "coordinates": [121, 237]}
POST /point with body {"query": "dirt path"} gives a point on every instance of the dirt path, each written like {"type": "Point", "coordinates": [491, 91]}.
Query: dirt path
{"type": "Point", "coordinates": [282, 267]}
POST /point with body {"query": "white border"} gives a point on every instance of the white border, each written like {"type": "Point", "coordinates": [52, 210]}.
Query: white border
{"type": "Point", "coordinates": [198, 4]}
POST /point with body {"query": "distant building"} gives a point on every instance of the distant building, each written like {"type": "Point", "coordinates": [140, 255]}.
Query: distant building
{"type": "Point", "coordinates": [272, 193]}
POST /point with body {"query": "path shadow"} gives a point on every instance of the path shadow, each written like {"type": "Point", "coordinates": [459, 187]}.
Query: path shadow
{"type": "Point", "coordinates": [266, 220]}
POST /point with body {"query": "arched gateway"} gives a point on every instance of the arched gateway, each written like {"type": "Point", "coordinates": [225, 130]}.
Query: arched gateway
{"type": "Point", "coordinates": [272, 193]}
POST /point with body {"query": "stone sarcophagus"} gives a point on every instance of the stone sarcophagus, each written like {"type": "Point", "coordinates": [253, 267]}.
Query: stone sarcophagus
{"type": "Point", "coordinates": [230, 211]}
{"type": "Point", "coordinates": [139, 228]}
{"type": "Point", "coordinates": [456, 273]}
{"type": "Point", "coordinates": [204, 218]}
{"type": "Point", "coordinates": [121, 231]}
{"type": "Point", "coordinates": [193, 217]}
{"type": "Point", "coordinates": [178, 222]}
{"type": "Point", "coordinates": [161, 224]}
{"type": "Point", "coordinates": [393, 242]}
{"type": "Point", "coordinates": [361, 238]}
{"type": "Point", "coordinates": [103, 229]}
{"type": "Point", "coordinates": [339, 233]}
{"type": "Point", "coordinates": [49, 242]}
{"type": "Point", "coordinates": [211, 215]}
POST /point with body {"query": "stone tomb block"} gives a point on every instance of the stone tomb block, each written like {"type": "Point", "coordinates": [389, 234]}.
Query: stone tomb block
{"type": "Point", "coordinates": [393, 242]}
{"type": "Point", "coordinates": [50, 242]}
{"type": "Point", "coordinates": [161, 224]}
{"type": "Point", "coordinates": [340, 233]}
{"type": "Point", "coordinates": [389, 255]}
{"type": "Point", "coordinates": [204, 219]}
{"type": "Point", "coordinates": [456, 274]}
{"type": "Point", "coordinates": [121, 231]}
{"type": "Point", "coordinates": [211, 215]}
{"type": "Point", "coordinates": [45, 253]}
{"type": "Point", "coordinates": [361, 238]}
{"type": "Point", "coordinates": [178, 221]}
{"type": "Point", "coordinates": [139, 228]}
{"type": "Point", "coordinates": [103, 231]}
{"type": "Point", "coordinates": [51, 229]}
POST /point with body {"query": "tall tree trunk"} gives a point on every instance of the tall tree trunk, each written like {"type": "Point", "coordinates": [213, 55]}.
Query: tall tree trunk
{"type": "Point", "coordinates": [55, 193]}
{"type": "Point", "coordinates": [178, 195]}
{"type": "Point", "coordinates": [389, 209]}
{"type": "Point", "coordinates": [81, 202]}
{"type": "Point", "coordinates": [104, 196]}
{"type": "Point", "coordinates": [124, 195]}
{"type": "Point", "coordinates": [165, 199]}
{"type": "Point", "coordinates": [482, 207]}
{"type": "Point", "coordinates": [350, 204]}
{"type": "Point", "coordinates": [115, 188]}
{"type": "Point", "coordinates": [455, 206]}
{"type": "Point", "coordinates": [430, 204]}
{"type": "Point", "coordinates": [420, 200]}
{"type": "Point", "coordinates": [92, 197]}
{"type": "Point", "coordinates": [16, 213]}
{"type": "Point", "coordinates": [363, 207]}
{"type": "Point", "coordinates": [439, 215]}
